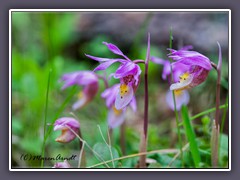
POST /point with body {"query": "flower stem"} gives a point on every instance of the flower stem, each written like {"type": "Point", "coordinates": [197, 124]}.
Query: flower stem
{"type": "Point", "coordinates": [215, 129]}
{"type": "Point", "coordinates": [143, 143]}
{"type": "Point", "coordinates": [122, 138]}
{"type": "Point", "coordinates": [82, 156]}
{"type": "Point", "coordinates": [139, 61]}
{"type": "Point", "coordinates": [45, 117]}
{"type": "Point", "coordinates": [174, 101]}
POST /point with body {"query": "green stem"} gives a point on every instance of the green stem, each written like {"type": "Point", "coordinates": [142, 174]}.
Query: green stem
{"type": "Point", "coordinates": [224, 115]}
{"type": "Point", "coordinates": [205, 112]}
{"type": "Point", "coordinates": [45, 117]}
{"type": "Point", "coordinates": [174, 100]}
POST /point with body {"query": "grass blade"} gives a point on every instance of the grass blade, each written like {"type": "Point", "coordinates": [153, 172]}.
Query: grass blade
{"type": "Point", "coordinates": [190, 136]}
{"type": "Point", "coordinates": [45, 115]}
{"type": "Point", "coordinates": [174, 101]}
{"type": "Point", "coordinates": [205, 112]}
{"type": "Point", "coordinates": [46, 134]}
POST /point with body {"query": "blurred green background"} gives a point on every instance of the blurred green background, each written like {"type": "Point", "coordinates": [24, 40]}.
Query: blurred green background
{"type": "Point", "coordinates": [57, 41]}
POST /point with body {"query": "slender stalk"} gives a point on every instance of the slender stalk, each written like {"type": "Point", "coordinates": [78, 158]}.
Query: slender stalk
{"type": "Point", "coordinates": [139, 61]}
{"type": "Point", "coordinates": [108, 145]}
{"type": "Point", "coordinates": [218, 87]}
{"type": "Point", "coordinates": [215, 129]}
{"type": "Point", "coordinates": [59, 111]}
{"type": "Point", "coordinates": [143, 142]}
{"type": "Point", "coordinates": [45, 118]}
{"type": "Point", "coordinates": [104, 80]}
{"type": "Point", "coordinates": [161, 151]}
{"type": "Point", "coordinates": [179, 153]}
{"type": "Point", "coordinates": [122, 138]}
{"type": "Point", "coordinates": [85, 143]}
{"type": "Point", "coordinates": [82, 158]}
{"type": "Point", "coordinates": [174, 101]}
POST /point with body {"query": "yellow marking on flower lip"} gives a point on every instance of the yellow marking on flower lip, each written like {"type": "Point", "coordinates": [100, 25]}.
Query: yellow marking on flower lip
{"type": "Point", "coordinates": [80, 95]}
{"type": "Point", "coordinates": [184, 76]}
{"type": "Point", "coordinates": [124, 89]}
{"type": "Point", "coordinates": [117, 112]}
{"type": "Point", "coordinates": [178, 92]}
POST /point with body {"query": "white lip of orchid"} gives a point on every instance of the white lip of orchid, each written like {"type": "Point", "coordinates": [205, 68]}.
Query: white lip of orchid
{"type": "Point", "coordinates": [124, 96]}
{"type": "Point", "coordinates": [183, 84]}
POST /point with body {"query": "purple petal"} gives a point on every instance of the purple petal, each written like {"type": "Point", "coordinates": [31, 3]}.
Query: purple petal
{"type": "Point", "coordinates": [115, 50]}
{"type": "Point", "coordinates": [157, 60]}
{"type": "Point", "coordinates": [166, 70]}
{"type": "Point", "coordinates": [98, 58]}
{"type": "Point", "coordinates": [137, 75]}
{"type": "Point", "coordinates": [133, 104]}
{"type": "Point", "coordinates": [110, 95]}
{"type": "Point", "coordinates": [64, 164]}
{"type": "Point", "coordinates": [126, 69]}
{"type": "Point", "coordinates": [63, 122]}
{"type": "Point", "coordinates": [181, 99]}
{"type": "Point", "coordinates": [105, 65]}
{"type": "Point", "coordinates": [79, 78]}
{"type": "Point", "coordinates": [122, 100]}
{"type": "Point", "coordinates": [178, 70]}
{"type": "Point", "coordinates": [191, 58]}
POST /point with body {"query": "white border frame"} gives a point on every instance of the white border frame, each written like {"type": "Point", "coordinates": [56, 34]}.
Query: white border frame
{"type": "Point", "coordinates": [113, 10]}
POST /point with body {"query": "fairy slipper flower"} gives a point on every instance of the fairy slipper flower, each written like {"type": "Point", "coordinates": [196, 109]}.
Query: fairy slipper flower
{"type": "Point", "coordinates": [197, 71]}
{"type": "Point", "coordinates": [128, 72]}
{"type": "Point", "coordinates": [181, 96]}
{"type": "Point", "coordinates": [68, 126]}
{"type": "Point", "coordinates": [63, 164]}
{"type": "Point", "coordinates": [116, 117]}
{"type": "Point", "coordinates": [88, 80]}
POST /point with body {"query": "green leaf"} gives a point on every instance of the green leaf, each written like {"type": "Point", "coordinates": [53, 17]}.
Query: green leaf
{"type": "Point", "coordinates": [103, 151]}
{"type": "Point", "coordinates": [154, 165]}
{"type": "Point", "coordinates": [164, 160]}
{"type": "Point", "coordinates": [223, 150]}
{"type": "Point", "coordinates": [191, 136]}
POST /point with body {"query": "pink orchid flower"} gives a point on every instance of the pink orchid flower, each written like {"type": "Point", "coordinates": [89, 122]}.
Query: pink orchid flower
{"type": "Point", "coordinates": [198, 67]}
{"type": "Point", "coordinates": [68, 126]}
{"type": "Point", "coordinates": [116, 117]}
{"type": "Point", "coordinates": [128, 72]}
{"type": "Point", "coordinates": [63, 164]}
{"type": "Point", "coordinates": [181, 96]}
{"type": "Point", "coordinates": [88, 80]}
